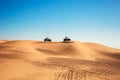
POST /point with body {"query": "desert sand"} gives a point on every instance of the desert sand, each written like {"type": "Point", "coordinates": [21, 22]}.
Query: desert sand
{"type": "Point", "coordinates": [37, 60]}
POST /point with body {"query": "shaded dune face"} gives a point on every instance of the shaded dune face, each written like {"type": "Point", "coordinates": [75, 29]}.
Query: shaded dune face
{"type": "Point", "coordinates": [114, 55]}
{"type": "Point", "coordinates": [34, 60]}
{"type": "Point", "coordinates": [78, 50]}
{"type": "Point", "coordinates": [9, 56]}
{"type": "Point", "coordinates": [57, 48]}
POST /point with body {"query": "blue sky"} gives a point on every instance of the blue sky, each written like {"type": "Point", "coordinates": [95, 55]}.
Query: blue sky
{"type": "Point", "coordinates": [82, 20]}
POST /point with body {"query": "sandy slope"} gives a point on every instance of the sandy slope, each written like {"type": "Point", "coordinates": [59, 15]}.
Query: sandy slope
{"type": "Point", "coordinates": [34, 60]}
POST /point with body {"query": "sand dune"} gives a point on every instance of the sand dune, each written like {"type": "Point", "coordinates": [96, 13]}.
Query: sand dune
{"type": "Point", "coordinates": [34, 60]}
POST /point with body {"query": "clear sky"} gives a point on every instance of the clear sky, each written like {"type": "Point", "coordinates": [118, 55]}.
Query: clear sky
{"type": "Point", "coordinates": [82, 20]}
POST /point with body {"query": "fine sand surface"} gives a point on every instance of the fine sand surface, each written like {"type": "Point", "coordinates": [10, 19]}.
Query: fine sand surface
{"type": "Point", "coordinates": [34, 60]}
